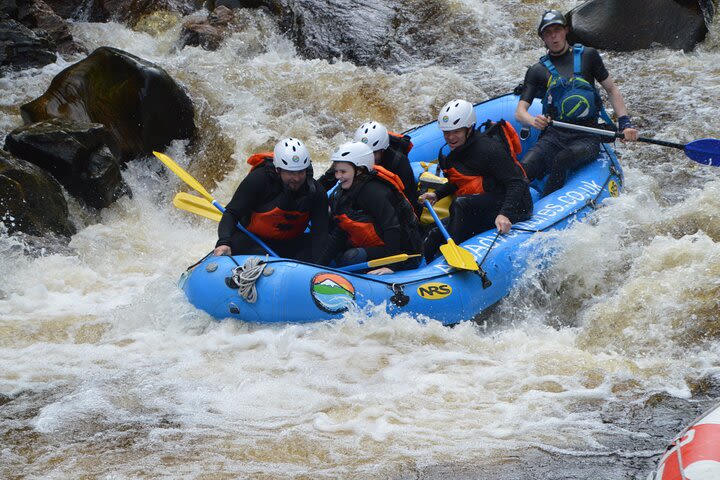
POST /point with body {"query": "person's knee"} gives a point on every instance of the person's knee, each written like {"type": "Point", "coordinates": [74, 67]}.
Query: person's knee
{"type": "Point", "coordinates": [352, 256]}
{"type": "Point", "coordinates": [533, 165]}
{"type": "Point", "coordinates": [431, 244]}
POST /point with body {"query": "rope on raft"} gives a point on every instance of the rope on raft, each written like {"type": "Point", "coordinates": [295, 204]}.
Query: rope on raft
{"type": "Point", "coordinates": [245, 276]}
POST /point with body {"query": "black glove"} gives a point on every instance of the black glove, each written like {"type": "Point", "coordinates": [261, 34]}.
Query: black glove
{"type": "Point", "coordinates": [624, 122]}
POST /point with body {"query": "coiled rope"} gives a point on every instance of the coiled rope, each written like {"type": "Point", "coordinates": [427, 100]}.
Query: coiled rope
{"type": "Point", "coordinates": [246, 275]}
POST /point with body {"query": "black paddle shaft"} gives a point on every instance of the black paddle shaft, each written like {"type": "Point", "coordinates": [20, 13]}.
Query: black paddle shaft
{"type": "Point", "coordinates": [608, 133]}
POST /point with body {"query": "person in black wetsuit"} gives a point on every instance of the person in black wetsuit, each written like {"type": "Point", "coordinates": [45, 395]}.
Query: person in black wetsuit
{"type": "Point", "coordinates": [490, 185]}
{"type": "Point", "coordinates": [390, 152]}
{"type": "Point", "coordinates": [371, 216]}
{"type": "Point", "coordinates": [276, 201]}
{"type": "Point", "coordinates": [559, 150]}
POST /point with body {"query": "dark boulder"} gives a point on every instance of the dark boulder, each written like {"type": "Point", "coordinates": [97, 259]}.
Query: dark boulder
{"type": "Point", "coordinates": [22, 48]}
{"type": "Point", "coordinates": [626, 25]}
{"type": "Point", "coordinates": [31, 201]}
{"type": "Point", "coordinates": [76, 154]}
{"type": "Point", "coordinates": [139, 104]}
{"type": "Point", "coordinates": [207, 30]}
{"type": "Point", "coordinates": [121, 11]}
{"type": "Point", "coordinates": [8, 9]}
{"type": "Point", "coordinates": [384, 33]}
{"type": "Point", "coordinates": [38, 16]}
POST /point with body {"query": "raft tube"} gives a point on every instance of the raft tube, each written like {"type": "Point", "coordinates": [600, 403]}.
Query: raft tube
{"type": "Point", "coordinates": [296, 292]}
{"type": "Point", "coordinates": [695, 453]}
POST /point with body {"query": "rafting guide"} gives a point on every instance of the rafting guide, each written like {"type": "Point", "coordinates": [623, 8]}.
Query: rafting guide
{"type": "Point", "coordinates": [565, 80]}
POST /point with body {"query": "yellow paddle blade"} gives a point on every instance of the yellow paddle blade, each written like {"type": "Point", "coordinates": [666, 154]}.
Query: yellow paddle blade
{"type": "Point", "coordinates": [401, 257]}
{"type": "Point", "coordinates": [458, 257]}
{"type": "Point", "coordinates": [184, 176]}
{"type": "Point", "coordinates": [196, 205]}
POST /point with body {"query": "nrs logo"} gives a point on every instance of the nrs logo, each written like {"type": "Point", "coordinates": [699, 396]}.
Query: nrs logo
{"type": "Point", "coordinates": [434, 290]}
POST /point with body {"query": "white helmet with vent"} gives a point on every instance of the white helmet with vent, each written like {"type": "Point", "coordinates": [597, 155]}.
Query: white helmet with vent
{"type": "Point", "coordinates": [291, 154]}
{"type": "Point", "coordinates": [456, 114]}
{"type": "Point", "coordinates": [374, 135]}
{"type": "Point", "coordinates": [356, 153]}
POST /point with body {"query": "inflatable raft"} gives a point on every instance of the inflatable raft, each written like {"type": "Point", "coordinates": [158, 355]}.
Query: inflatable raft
{"type": "Point", "coordinates": [276, 290]}
{"type": "Point", "coordinates": [695, 452]}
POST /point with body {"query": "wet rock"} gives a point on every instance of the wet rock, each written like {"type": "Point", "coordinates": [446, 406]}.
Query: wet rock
{"type": "Point", "coordinates": [157, 22]}
{"type": "Point", "coordinates": [385, 33]}
{"type": "Point", "coordinates": [31, 201]}
{"type": "Point", "coordinates": [122, 11]}
{"type": "Point", "coordinates": [87, 11]}
{"type": "Point", "coordinates": [139, 104]}
{"type": "Point", "coordinates": [8, 8]}
{"type": "Point", "coordinates": [38, 16]}
{"type": "Point", "coordinates": [22, 48]}
{"type": "Point", "coordinates": [207, 31]}
{"type": "Point", "coordinates": [76, 154]}
{"type": "Point", "coordinates": [626, 25]}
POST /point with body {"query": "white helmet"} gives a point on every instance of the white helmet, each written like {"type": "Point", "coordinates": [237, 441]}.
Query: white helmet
{"type": "Point", "coordinates": [456, 114]}
{"type": "Point", "coordinates": [374, 135]}
{"type": "Point", "coordinates": [356, 153]}
{"type": "Point", "coordinates": [291, 154]}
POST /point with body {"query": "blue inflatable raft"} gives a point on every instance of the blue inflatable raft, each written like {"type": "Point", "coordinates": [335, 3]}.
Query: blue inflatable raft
{"type": "Point", "coordinates": [277, 290]}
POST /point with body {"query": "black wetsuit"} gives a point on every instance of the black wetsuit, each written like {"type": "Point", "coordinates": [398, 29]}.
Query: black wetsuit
{"type": "Point", "coordinates": [367, 224]}
{"type": "Point", "coordinates": [262, 195]}
{"type": "Point", "coordinates": [559, 150]}
{"type": "Point", "coordinates": [505, 190]}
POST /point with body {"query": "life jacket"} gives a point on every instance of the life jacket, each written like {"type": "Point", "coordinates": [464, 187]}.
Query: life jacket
{"type": "Point", "coordinates": [570, 100]}
{"type": "Point", "coordinates": [509, 137]}
{"type": "Point", "coordinates": [400, 142]}
{"type": "Point", "coordinates": [271, 222]}
{"type": "Point", "coordinates": [359, 228]}
{"type": "Point", "coordinates": [470, 183]}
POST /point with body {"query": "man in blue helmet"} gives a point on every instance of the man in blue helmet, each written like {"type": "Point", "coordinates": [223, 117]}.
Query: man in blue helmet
{"type": "Point", "coordinates": [565, 79]}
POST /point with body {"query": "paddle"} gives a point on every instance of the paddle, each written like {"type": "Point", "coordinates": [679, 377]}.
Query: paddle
{"type": "Point", "coordinates": [705, 151]}
{"type": "Point", "coordinates": [195, 185]}
{"type": "Point", "coordinates": [455, 256]}
{"type": "Point", "coordinates": [379, 262]}
{"type": "Point", "coordinates": [196, 205]}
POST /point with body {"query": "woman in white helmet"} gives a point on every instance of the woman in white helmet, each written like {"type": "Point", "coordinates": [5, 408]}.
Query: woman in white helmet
{"type": "Point", "coordinates": [372, 218]}
{"type": "Point", "coordinates": [489, 184]}
{"type": "Point", "coordinates": [276, 201]}
{"type": "Point", "coordinates": [390, 150]}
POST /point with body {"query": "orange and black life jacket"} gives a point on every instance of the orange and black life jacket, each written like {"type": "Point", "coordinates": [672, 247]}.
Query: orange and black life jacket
{"type": "Point", "coordinates": [360, 227]}
{"type": "Point", "coordinates": [273, 220]}
{"type": "Point", "coordinates": [400, 142]}
{"type": "Point", "coordinates": [465, 178]}
{"type": "Point", "coordinates": [508, 135]}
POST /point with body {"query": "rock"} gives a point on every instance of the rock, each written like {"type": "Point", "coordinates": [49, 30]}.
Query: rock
{"type": "Point", "coordinates": [21, 48]}
{"type": "Point", "coordinates": [207, 31]}
{"type": "Point", "coordinates": [139, 104]}
{"type": "Point", "coordinates": [122, 11]}
{"type": "Point", "coordinates": [8, 8]}
{"type": "Point", "coordinates": [31, 201]}
{"type": "Point", "coordinates": [626, 25]}
{"type": "Point", "coordinates": [38, 16]}
{"type": "Point", "coordinates": [76, 154]}
{"type": "Point", "coordinates": [384, 33]}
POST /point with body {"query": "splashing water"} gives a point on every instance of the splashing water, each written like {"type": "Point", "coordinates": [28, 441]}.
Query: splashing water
{"type": "Point", "coordinates": [108, 371]}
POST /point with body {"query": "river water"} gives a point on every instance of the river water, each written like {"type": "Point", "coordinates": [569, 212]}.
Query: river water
{"type": "Point", "coordinates": [587, 370]}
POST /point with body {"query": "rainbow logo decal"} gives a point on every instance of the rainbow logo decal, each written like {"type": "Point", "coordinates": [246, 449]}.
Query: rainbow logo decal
{"type": "Point", "coordinates": [332, 293]}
